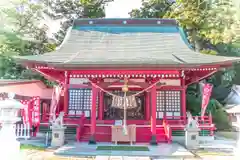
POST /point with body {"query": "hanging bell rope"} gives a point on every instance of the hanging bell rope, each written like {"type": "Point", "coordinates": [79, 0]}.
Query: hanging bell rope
{"type": "Point", "coordinates": [117, 101]}
{"type": "Point", "coordinates": [136, 94]}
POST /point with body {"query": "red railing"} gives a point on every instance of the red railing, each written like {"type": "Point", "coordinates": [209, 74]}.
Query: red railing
{"type": "Point", "coordinates": [33, 129]}
{"type": "Point", "coordinates": [80, 127]}
{"type": "Point", "coordinates": [206, 120]}
{"type": "Point", "coordinates": [68, 118]}
{"type": "Point", "coordinates": [167, 130]}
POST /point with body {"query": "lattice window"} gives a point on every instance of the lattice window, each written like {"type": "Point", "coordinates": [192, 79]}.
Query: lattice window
{"type": "Point", "coordinates": [80, 100]}
{"type": "Point", "coordinates": [160, 104]}
{"type": "Point", "coordinates": [169, 104]}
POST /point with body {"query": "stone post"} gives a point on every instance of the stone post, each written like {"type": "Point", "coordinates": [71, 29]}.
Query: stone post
{"type": "Point", "coordinates": [58, 135]}
{"type": "Point", "coordinates": [237, 149]}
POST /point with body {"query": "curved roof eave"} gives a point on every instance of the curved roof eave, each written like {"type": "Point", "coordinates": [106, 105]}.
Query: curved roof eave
{"type": "Point", "coordinates": [89, 47]}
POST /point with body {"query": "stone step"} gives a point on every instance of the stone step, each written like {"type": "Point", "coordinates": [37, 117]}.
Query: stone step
{"type": "Point", "coordinates": [70, 136]}
{"type": "Point", "coordinates": [69, 130]}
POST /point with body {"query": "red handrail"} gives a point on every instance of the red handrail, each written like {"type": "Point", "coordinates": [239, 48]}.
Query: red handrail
{"type": "Point", "coordinates": [207, 120]}
{"type": "Point", "coordinates": [80, 127]}
{"type": "Point", "coordinates": [167, 130]}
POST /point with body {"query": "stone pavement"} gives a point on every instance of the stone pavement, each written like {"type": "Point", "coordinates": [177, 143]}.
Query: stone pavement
{"type": "Point", "coordinates": [47, 155]}
{"type": "Point", "coordinates": [137, 158]}
{"type": "Point", "coordinates": [164, 150]}
{"type": "Point", "coordinates": [219, 149]}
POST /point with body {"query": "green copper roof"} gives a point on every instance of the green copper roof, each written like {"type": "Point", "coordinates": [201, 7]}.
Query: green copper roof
{"type": "Point", "coordinates": [125, 42]}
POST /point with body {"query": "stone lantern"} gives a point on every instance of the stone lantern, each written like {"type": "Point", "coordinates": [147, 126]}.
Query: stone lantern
{"type": "Point", "coordinates": [9, 146]}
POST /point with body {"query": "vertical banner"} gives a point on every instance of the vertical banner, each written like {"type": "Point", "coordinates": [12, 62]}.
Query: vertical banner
{"type": "Point", "coordinates": [55, 99]}
{"type": "Point", "coordinates": [36, 111]}
{"type": "Point", "coordinates": [24, 112]}
{"type": "Point", "coordinates": [206, 94]}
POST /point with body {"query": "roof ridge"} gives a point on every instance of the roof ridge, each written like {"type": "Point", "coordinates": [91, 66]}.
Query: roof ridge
{"type": "Point", "coordinates": [125, 21]}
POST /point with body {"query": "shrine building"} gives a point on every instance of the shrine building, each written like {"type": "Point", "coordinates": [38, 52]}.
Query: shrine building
{"type": "Point", "coordinates": [134, 70]}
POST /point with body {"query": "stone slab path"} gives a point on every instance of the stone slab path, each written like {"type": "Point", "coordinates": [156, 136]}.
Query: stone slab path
{"type": "Point", "coordinates": [169, 151]}
{"type": "Point", "coordinates": [121, 158]}
{"type": "Point", "coordinates": [48, 155]}
{"type": "Point", "coordinates": [45, 155]}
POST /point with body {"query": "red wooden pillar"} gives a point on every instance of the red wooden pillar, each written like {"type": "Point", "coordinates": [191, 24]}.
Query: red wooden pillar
{"type": "Point", "coordinates": [184, 106]}
{"type": "Point", "coordinates": [66, 96]}
{"type": "Point", "coordinates": [153, 113]}
{"type": "Point", "coordinates": [147, 106]}
{"type": "Point", "coordinates": [101, 106]}
{"type": "Point", "coordinates": [93, 115]}
{"type": "Point", "coordinates": [44, 112]}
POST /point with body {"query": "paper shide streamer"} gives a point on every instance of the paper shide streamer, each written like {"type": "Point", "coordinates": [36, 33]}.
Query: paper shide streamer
{"type": "Point", "coordinates": [118, 101]}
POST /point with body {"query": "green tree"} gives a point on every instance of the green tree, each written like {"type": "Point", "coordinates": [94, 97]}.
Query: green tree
{"type": "Point", "coordinates": [152, 9]}
{"type": "Point", "coordinates": [206, 23]}
{"type": "Point", "coordinates": [21, 34]}
{"type": "Point", "coordinates": [67, 11]}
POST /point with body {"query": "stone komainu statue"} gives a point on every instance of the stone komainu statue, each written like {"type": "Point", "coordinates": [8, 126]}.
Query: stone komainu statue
{"type": "Point", "coordinates": [192, 123]}
{"type": "Point", "coordinates": [58, 122]}
{"type": "Point", "coordinates": [189, 117]}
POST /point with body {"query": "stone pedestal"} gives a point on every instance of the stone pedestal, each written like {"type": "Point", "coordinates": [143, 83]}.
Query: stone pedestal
{"type": "Point", "coordinates": [153, 140]}
{"type": "Point", "coordinates": [237, 148]}
{"type": "Point", "coordinates": [192, 138]}
{"type": "Point", "coordinates": [9, 146]}
{"type": "Point", "coordinates": [58, 136]}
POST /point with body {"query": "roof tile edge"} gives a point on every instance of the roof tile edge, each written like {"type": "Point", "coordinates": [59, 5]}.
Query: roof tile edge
{"type": "Point", "coordinates": [126, 21]}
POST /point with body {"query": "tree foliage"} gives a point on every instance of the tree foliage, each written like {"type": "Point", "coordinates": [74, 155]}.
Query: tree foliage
{"type": "Point", "coordinates": [21, 34]}
{"type": "Point", "coordinates": [207, 24]}
{"type": "Point", "coordinates": [152, 9]}
{"type": "Point", "coordinates": [66, 11]}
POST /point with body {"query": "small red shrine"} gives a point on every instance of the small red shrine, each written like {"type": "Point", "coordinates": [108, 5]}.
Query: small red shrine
{"type": "Point", "coordinates": [151, 57]}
